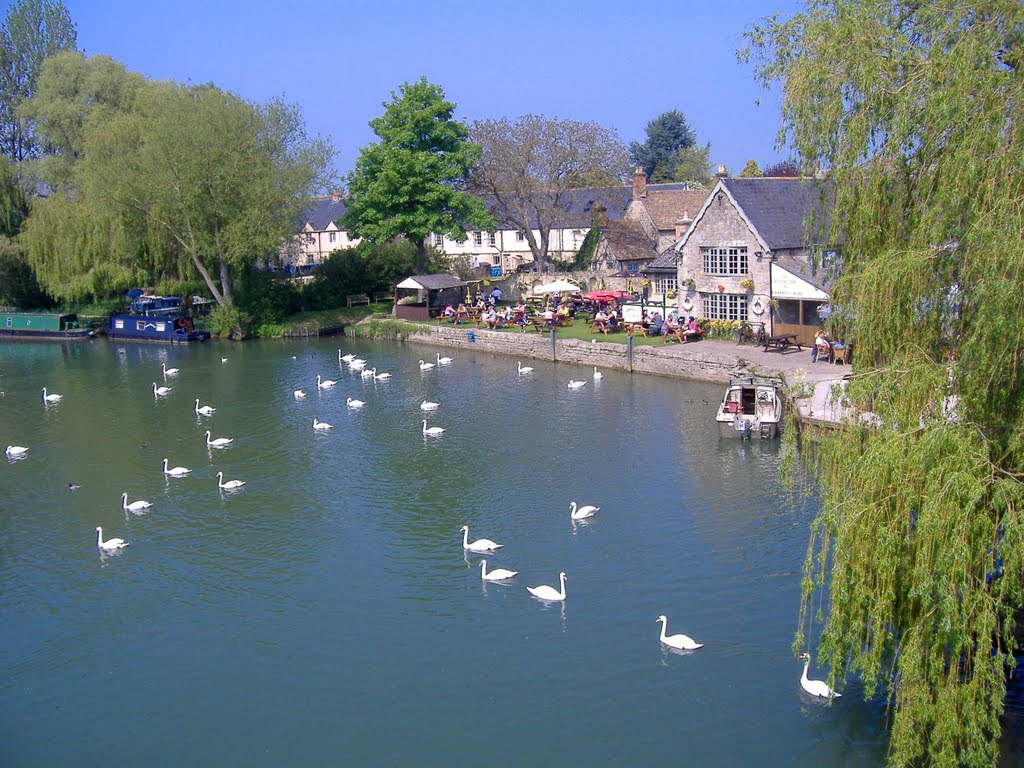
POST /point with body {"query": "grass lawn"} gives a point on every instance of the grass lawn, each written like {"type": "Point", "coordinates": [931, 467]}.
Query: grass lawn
{"type": "Point", "coordinates": [328, 318]}
{"type": "Point", "coordinates": [581, 330]}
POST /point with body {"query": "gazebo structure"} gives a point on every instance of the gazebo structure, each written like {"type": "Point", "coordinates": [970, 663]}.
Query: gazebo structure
{"type": "Point", "coordinates": [421, 297]}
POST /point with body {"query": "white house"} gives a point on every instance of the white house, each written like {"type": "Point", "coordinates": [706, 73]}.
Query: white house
{"type": "Point", "coordinates": [320, 233]}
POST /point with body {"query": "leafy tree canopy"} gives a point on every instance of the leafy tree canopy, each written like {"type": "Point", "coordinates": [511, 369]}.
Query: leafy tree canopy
{"type": "Point", "coordinates": [667, 135]}
{"type": "Point", "coordinates": [918, 112]}
{"type": "Point", "coordinates": [412, 182]}
{"type": "Point", "coordinates": [784, 169]}
{"type": "Point", "coordinates": [693, 166]}
{"type": "Point", "coordinates": [751, 170]}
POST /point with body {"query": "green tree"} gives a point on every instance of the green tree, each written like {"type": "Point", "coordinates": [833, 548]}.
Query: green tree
{"type": "Point", "coordinates": [667, 134]}
{"type": "Point", "coordinates": [693, 165]}
{"type": "Point", "coordinates": [18, 286]}
{"type": "Point", "coordinates": [531, 165]}
{"type": "Point", "coordinates": [412, 182]}
{"type": "Point", "coordinates": [32, 31]}
{"type": "Point", "coordinates": [918, 112]}
{"type": "Point", "coordinates": [751, 170]}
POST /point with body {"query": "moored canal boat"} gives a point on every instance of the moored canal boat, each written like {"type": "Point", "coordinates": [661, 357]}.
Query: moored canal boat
{"type": "Point", "coordinates": [155, 318]}
{"type": "Point", "coordinates": [751, 408]}
{"type": "Point", "coordinates": [43, 325]}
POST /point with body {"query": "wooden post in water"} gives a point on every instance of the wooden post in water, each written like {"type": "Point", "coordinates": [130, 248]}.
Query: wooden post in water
{"type": "Point", "coordinates": [554, 347]}
{"type": "Point", "coordinates": [629, 354]}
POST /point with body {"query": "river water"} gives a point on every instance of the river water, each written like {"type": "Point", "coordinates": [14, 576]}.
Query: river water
{"type": "Point", "coordinates": [327, 614]}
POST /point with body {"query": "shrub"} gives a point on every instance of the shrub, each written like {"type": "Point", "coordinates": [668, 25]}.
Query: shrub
{"type": "Point", "coordinates": [231, 322]}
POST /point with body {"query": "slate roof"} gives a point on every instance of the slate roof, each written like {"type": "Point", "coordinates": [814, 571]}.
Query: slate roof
{"type": "Point", "coordinates": [577, 207]}
{"type": "Point", "coordinates": [666, 206]}
{"type": "Point", "coordinates": [779, 209]}
{"type": "Point", "coordinates": [626, 240]}
{"type": "Point", "coordinates": [438, 281]}
{"type": "Point", "coordinates": [666, 261]}
{"type": "Point", "coordinates": [321, 212]}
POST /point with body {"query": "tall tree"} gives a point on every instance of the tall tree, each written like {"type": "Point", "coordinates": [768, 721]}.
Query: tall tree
{"type": "Point", "coordinates": [693, 166]}
{"type": "Point", "coordinates": [33, 30]}
{"type": "Point", "coordinates": [751, 170]}
{"type": "Point", "coordinates": [412, 182]}
{"type": "Point", "coordinates": [667, 134]}
{"type": "Point", "coordinates": [531, 165]}
{"type": "Point", "coordinates": [917, 109]}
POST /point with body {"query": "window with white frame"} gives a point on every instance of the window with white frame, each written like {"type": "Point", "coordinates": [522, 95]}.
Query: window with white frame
{"type": "Point", "coordinates": [333, 237]}
{"type": "Point", "coordinates": [724, 306]}
{"type": "Point", "coordinates": [492, 240]}
{"type": "Point", "coordinates": [520, 236]}
{"type": "Point", "coordinates": [725, 260]}
{"type": "Point", "coordinates": [438, 241]}
{"type": "Point", "coordinates": [665, 283]}
{"type": "Point", "coordinates": [478, 238]}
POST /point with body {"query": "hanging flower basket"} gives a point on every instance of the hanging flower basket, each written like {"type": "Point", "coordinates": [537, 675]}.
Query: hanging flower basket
{"type": "Point", "coordinates": [721, 289]}
{"type": "Point", "coordinates": [670, 294]}
{"type": "Point", "coordinates": [747, 284]}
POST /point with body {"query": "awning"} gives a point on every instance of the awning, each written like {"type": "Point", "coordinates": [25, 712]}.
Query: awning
{"type": "Point", "coordinates": [786, 285]}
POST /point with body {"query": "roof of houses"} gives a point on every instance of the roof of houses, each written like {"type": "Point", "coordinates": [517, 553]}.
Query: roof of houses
{"type": "Point", "coordinates": [626, 240]}
{"type": "Point", "coordinates": [667, 206]}
{"type": "Point", "coordinates": [434, 282]}
{"type": "Point", "coordinates": [666, 261]}
{"type": "Point", "coordinates": [780, 209]}
{"type": "Point", "coordinates": [321, 212]}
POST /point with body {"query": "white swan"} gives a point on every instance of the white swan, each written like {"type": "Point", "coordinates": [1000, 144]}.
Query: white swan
{"type": "Point", "coordinates": [354, 403]}
{"type": "Point", "coordinates": [223, 359]}
{"type": "Point", "coordinates": [219, 442]}
{"type": "Point", "coordinates": [346, 358]}
{"type": "Point", "coordinates": [205, 410]}
{"type": "Point", "coordinates": [681, 642]}
{"type": "Point", "coordinates": [545, 592]}
{"type": "Point", "coordinates": [169, 371]}
{"type": "Point", "coordinates": [383, 375]}
{"type": "Point", "coordinates": [322, 425]}
{"type": "Point", "coordinates": [426, 405]}
{"type": "Point", "coordinates": [135, 506]}
{"type": "Point", "coordinates": [597, 374]}
{"type": "Point", "coordinates": [16, 450]}
{"type": "Point", "coordinates": [576, 384]}
{"type": "Point", "coordinates": [299, 394]}
{"type": "Point", "coordinates": [817, 688]}
{"type": "Point", "coordinates": [54, 398]}
{"type": "Point", "coordinates": [176, 471]}
{"type": "Point", "coordinates": [424, 366]}
{"type": "Point", "coordinates": [357, 365]}
{"type": "Point", "coordinates": [434, 431]}
{"type": "Point", "coordinates": [324, 383]}
{"type": "Point", "coordinates": [523, 370]}
{"type": "Point", "coordinates": [444, 360]}
{"type": "Point", "coordinates": [160, 391]}
{"type": "Point", "coordinates": [110, 545]}
{"type": "Point", "coordinates": [498, 574]}
{"type": "Point", "coordinates": [583, 512]}
{"type": "Point", "coordinates": [230, 484]}
{"type": "Point", "coordinates": [480, 545]}
{"type": "Point", "coordinates": [368, 373]}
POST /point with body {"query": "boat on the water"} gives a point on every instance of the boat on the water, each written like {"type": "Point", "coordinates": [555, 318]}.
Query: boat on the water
{"type": "Point", "coordinates": [751, 408]}
{"type": "Point", "coordinates": [43, 325]}
{"type": "Point", "coordinates": [155, 318]}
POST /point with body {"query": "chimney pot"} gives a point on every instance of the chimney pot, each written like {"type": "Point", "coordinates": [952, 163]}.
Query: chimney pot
{"type": "Point", "coordinates": [336, 195]}
{"type": "Point", "coordinates": [639, 184]}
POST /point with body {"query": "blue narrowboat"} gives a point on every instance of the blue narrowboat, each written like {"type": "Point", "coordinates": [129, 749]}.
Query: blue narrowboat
{"type": "Point", "coordinates": [155, 318]}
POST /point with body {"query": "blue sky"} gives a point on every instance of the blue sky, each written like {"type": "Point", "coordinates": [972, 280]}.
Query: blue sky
{"type": "Point", "coordinates": [616, 63]}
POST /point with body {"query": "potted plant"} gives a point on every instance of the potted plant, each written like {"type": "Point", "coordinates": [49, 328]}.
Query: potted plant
{"type": "Point", "coordinates": [747, 284]}
{"type": "Point", "coordinates": [690, 283]}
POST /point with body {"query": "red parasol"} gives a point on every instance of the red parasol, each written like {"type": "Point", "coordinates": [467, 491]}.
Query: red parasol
{"type": "Point", "coordinates": [607, 295]}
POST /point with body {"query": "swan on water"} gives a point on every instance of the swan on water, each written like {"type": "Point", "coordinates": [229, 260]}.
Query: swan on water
{"type": "Point", "coordinates": [597, 374]}
{"type": "Point", "coordinates": [498, 574]}
{"type": "Point", "coordinates": [576, 384]}
{"type": "Point", "coordinates": [230, 484]}
{"type": "Point", "coordinates": [323, 425]}
{"type": "Point", "coordinates": [53, 398]}
{"type": "Point", "coordinates": [110, 545]}
{"type": "Point", "coordinates": [354, 403]}
{"type": "Point", "coordinates": [425, 366]}
{"type": "Point", "coordinates": [205, 410]}
{"type": "Point", "coordinates": [160, 391]}
{"type": "Point", "coordinates": [357, 365]}
{"type": "Point", "coordinates": [324, 383]}
{"type": "Point", "coordinates": [545, 592]}
{"type": "Point", "coordinates": [16, 450]}
{"type": "Point", "coordinates": [583, 512]}
{"type": "Point", "coordinates": [176, 471]}
{"type": "Point", "coordinates": [346, 358]}
{"type": "Point", "coordinates": [383, 375]}
{"type": "Point", "coordinates": [434, 431]}
{"type": "Point", "coordinates": [444, 360]}
{"type": "Point", "coordinates": [73, 487]}
{"type": "Point", "coordinates": [817, 688]}
{"type": "Point", "coordinates": [135, 506]}
{"type": "Point", "coordinates": [223, 359]}
{"type": "Point", "coordinates": [169, 371]}
{"type": "Point", "coordinates": [218, 442]}
{"type": "Point", "coordinates": [523, 370]}
{"type": "Point", "coordinates": [681, 642]}
{"type": "Point", "coordinates": [299, 394]}
{"type": "Point", "coordinates": [368, 373]}
{"type": "Point", "coordinates": [480, 545]}
{"type": "Point", "coordinates": [426, 405]}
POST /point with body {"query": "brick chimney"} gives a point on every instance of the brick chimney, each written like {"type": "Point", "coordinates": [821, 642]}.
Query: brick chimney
{"type": "Point", "coordinates": [682, 224]}
{"type": "Point", "coordinates": [639, 184]}
{"type": "Point", "coordinates": [600, 217]}
{"type": "Point", "coordinates": [336, 195]}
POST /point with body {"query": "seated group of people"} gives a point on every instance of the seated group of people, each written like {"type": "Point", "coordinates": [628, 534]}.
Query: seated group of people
{"type": "Point", "coordinates": [827, 349]}
{"type": "Point", "coordinates": [659, 326]}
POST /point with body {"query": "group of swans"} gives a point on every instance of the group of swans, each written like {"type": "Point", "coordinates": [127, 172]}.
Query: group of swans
{"type": "Point", "coordinates": [485, 546]}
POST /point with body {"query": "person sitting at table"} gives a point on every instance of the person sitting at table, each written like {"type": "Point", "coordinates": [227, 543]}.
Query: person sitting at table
{"type": "Point", "coordinates": [461, 314]}
{"type": "Point", "coordinates": [449, 312]}
{"type": "Point", "coordinates": [549, 316]}
{"type": "Point", "coordinates": [479, 302]}
{"type": "Point", "coordinates": [563, 313]}
{"type": "Point", "coordinates": [490, 318]}
{"type": "Point", "coordinates": [600, 320]}
{"type": "Point", "coordinates": [821, 347]}
{"type": "Point", "coordinates": [655, 323]}
{"type": "Point", "coordinates": [670, 325]}
{"type": "Point", "coordinates": [692, 327]}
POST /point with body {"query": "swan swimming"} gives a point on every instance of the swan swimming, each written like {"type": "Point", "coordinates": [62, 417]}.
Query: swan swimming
{"type": "Point", "coordinates": [345, 358]}
{"type": "Point", "coordinates": [357, 365]}
{"type": "Point", "coordinates": [322, 425]}
{"type": "Point", "coordinates": [169, 371]}
{"type": "Point", "coordinates": [219, 442]}
{"type": "Point", "coordinates": [597, 374]}
{"type": "Point", "coordinates": [230, 484]}
{"type": "Point", "coordinates": [545, 592]}
{"type": "Point", "coordinates": [681, 642]}
{"type": "Point", "coordinates": [444, 360]}
{"type": "Point", "coordinates": [205, 410]}
{"type": "Point", "coordinates": [16, 450]}
{"type": "Point", "coordinates": [434, 431]}
{"type": "Point", "coordinates": [160, 391]}
{"type": "Point", "coordinates": [480, 545]}
{"type": "Point", "coordinates": [135, 506]}
{"type": "Point", "coordinates": [324, 383]}
{"type": "Point", "coordinates": [576, 384]}
{"type": "Point", "coordinates": [176, 471]}
{"type": "Point", "coordinates": [110, 545]}
{"type": "Point", "coordinates": [368, 373]}
{"type": "Point", "coordinates": [383, 375]}
{"type": "Point", "coordinates": [817, 688]}
{"type": "Point", "coordinates": [223, 359]}
{"type": "Point", "coordinates": [426, 405]}
{"type": "Point", "coordinates": [425, 366]}
{"type": "Point", "coordinates": [498, 574]}
{"type": "Point", "coordinates": [583, 512]}
{"type": "Point", "coordinates": [523, 370]}
{"type": "Point", "coordinates": [299, 394]}
{"type": "Point", "coordinates": [53, 398]}
{"type": "Point", "coordinates": [354, 403]}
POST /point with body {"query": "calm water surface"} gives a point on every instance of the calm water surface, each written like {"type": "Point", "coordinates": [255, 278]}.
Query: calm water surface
{"type": "Point", "coordinates": [326, 613]}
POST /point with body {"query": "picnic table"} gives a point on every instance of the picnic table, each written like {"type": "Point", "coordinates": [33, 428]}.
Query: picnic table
{"type": "Point", "coordinates": [781, 342]}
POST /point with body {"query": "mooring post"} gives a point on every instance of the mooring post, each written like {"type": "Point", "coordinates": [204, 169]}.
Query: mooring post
{"type": "Point", "coordinates": [554, 347]}
{"type": "Point", "coordinates": [629, 354]}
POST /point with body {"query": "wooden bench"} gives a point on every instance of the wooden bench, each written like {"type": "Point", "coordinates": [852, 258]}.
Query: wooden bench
{"type": "Point", "coordinates": [357, 298]}
{"type": "Point", "coordinates": [781, 342]}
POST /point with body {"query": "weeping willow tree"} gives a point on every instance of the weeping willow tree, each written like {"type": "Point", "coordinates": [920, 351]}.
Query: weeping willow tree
{"type": "Point", "coordinates": [915, 109]}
